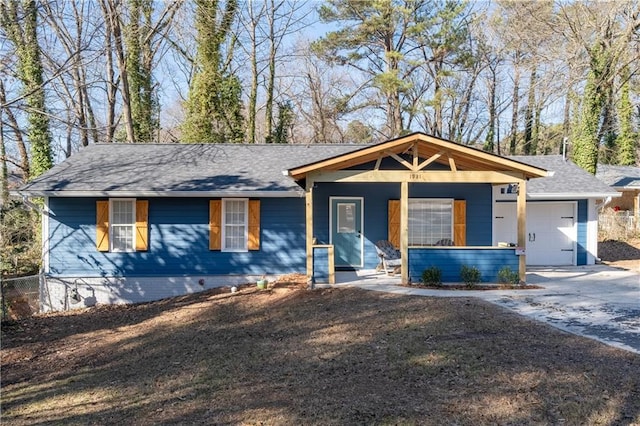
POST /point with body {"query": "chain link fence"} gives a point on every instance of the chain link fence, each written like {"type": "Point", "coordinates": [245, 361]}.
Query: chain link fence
{"type": "Point", "coordinates": [20, 297]}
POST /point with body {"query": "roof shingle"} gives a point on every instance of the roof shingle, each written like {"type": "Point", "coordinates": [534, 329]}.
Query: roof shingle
{"type": "Point", "coordinates": [565, 178]}
{"type": "Point", "coordinates": [164, 168]}
{"type": "Point", "coordinates": [182, 169]}
{"type": "Point", "coordinates": [619, 176]}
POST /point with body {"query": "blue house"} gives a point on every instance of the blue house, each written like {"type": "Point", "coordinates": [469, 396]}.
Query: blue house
{"type": "Point", "coordinates": [127, 223]}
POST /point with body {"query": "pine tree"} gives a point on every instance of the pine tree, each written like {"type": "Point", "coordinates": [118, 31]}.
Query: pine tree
{"type": "Point", "coordinates": [372, 38]}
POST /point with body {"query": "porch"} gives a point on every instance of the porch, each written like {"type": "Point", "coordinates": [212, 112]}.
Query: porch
{"type": "Point", "coordinates": [453, 181]}
{"type": "Point", "coordinates": [488, 260]}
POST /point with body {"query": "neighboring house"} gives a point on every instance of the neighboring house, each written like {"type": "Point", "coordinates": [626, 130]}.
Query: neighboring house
{"type": "Point", "coordinates": [626, 180]}
{"type": "Point", "coordinates": [136, 222]}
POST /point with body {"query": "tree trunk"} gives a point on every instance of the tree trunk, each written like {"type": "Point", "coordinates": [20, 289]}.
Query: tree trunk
{"type": "Point", "coordinates": [20, 22]}
{"type": "Point", "coordinates": [529, 116]}
{"type": "Point", "coordinates": [22, 148]}
{"type": "Point", "coordinates": [489, 143]}
{"type": "Point", "coordinates": [113, 21]}
{"type": "Point", "coordinates": [566, 122]}
{"type": "Point", "coordinates": [111, 82]}
{"type": "Point", "coordinates": [437, 104]}
{"type": "Point", "coordinates": [253, 90]}
{"type": "Point", "coordinates": [4, 170]}
{"type": "Point", "coordinates": [515, 106]}
{"type": "Point", "coordinates": [271, 77]}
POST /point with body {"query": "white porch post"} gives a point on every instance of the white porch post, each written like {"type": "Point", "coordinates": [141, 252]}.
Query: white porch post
{"type": "Point", "coordinates": [404, 231]}
{"type": "Point", "coordinates": [309, 228]}
{"type": "Point", "coordinates": [522, 228]}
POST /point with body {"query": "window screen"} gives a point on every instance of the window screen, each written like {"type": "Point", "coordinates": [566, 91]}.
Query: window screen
{"type": "Point", "coordinates": [430, 221]}
{"type": "Point", "coordinates": [235, 225]}
{"type": "Point", "coordinates": [123, 222]}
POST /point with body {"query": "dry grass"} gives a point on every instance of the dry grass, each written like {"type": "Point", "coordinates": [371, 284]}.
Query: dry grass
{"type": "Point", "coordinates": [291, 356]}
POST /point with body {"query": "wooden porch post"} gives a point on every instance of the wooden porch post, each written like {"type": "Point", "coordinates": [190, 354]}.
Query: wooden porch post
{"type": "Point", "coordinates": [309, 228]}
{"type": "Point", "coordinates": [636, 210]}
{"type": "Point", "coordinates": [404, 231]}
{"type": "Point", "coordinates": [522, 228]}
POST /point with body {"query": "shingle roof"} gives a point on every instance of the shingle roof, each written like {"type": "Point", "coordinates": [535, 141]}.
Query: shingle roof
{"type": "Point", "coordinates": [181, 168]}
{"type": "Point", "coordinates": [619, 176]}
{"type": "Point", "coordinates": [236, 169]}
{"type": "Point", "coordinates": [565, 179]}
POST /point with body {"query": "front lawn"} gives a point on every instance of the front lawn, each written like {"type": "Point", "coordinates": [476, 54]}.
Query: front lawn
{"type": "Point", "coordinates": [292, 356]}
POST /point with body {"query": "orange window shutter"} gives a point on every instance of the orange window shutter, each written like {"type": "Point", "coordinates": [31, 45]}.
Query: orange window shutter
{"type": "Point", "coordinates": [254, 225]}
{"type": "Point", "coordinates": [142, 225]}
{"type": "Point", "coordinates": [460, 222]}
{"type": "Point", "coordinates": [394, 222]}
{"type": "Point", "coordinates": [215, 224]}
{"type": "Point", "coordinates": [102, 225]}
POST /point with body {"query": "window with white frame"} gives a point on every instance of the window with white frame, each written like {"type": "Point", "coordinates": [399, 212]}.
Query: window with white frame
{"type": "Point", "coordinates": [234, 224]}
{"type": "Point", "coordinates": [430, 221]}
{"type": "Point", "coordinates": [122, 224]}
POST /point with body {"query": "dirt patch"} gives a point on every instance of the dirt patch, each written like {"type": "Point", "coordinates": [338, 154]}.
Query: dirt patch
{"type": "Point", "coordinates": [621, 254]}
{"type": "Point", "coordinates": [294, 356]}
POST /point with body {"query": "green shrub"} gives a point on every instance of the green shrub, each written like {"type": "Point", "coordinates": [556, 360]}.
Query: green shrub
{"type": "Point", "coordinates": [432, 276]}
{"type": "Point", "coordinates": [507, 276]}
{"type": "Point", "coordinates": [470, 275]}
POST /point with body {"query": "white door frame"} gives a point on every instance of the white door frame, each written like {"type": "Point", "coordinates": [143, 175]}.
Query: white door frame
{"type": "Point", "coordinates": [346, 197]}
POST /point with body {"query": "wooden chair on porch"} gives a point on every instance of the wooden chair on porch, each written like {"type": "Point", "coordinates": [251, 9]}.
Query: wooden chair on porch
{"type": "Point", "coordinates": [389, 257]}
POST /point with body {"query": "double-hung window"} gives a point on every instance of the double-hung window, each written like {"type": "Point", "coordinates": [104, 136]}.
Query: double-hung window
{"type": "Point", "coordinates": [430, 221]}
{"type": "Point", "coordinates": [234, 224]}
{"type": "Point", "coordinates": [123, 224]}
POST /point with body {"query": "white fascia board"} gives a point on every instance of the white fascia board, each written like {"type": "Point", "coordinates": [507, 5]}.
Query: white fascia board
{"type": "Point", "coordinates": [571, 196]}
{"type": "Point", "coordinates": [166, 194]}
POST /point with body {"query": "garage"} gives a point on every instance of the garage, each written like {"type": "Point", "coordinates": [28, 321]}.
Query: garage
{"type": "Point", "coordinates": [551, 231]}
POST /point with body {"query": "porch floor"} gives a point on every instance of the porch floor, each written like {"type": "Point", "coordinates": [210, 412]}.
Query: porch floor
{"type": "Point", "coordinates": [363, 277]}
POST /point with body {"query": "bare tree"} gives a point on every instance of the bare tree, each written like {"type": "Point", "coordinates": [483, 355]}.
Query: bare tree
{"type": "Point", "coordinates": [265, 26]}
{"type": "Point", "coordinates": [12, 125]}
{"type": "Point", "coordinates": [75, 31]}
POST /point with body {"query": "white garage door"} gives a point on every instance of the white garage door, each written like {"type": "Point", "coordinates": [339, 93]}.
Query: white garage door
{"type": "Point", "coordinates": [551, 231]}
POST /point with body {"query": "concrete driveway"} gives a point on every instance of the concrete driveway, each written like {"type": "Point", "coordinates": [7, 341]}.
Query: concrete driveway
{"type": "Point", "coordinates": [596, 301]}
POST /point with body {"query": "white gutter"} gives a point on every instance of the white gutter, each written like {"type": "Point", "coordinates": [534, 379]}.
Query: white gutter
{"type": "Point", "coordinates": [602, 205]}
{"type": "Point", "coordinates": [167, 194]}
{"type": "Point", "coordinates": [33, 206]}
{"type": "Point", "coordinates": [566, 196]}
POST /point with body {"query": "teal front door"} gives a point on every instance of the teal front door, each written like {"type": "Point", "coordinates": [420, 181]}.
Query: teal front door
{"type": "Point", "coordinates": [346, 231]}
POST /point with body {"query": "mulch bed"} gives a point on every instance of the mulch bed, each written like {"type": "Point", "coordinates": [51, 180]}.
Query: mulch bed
{"type": "Point", "coordinates": [475, 287]}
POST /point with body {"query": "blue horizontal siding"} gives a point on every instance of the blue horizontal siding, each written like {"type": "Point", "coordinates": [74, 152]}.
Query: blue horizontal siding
{"type": "Point", "coordinates": [321, 264]}
{"type": "Point", "coordinates": [178, 241]}
{"type": "Point", "coordinates": [179, 232]}
{"type": "Point", "coordinates": [450, 261]}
